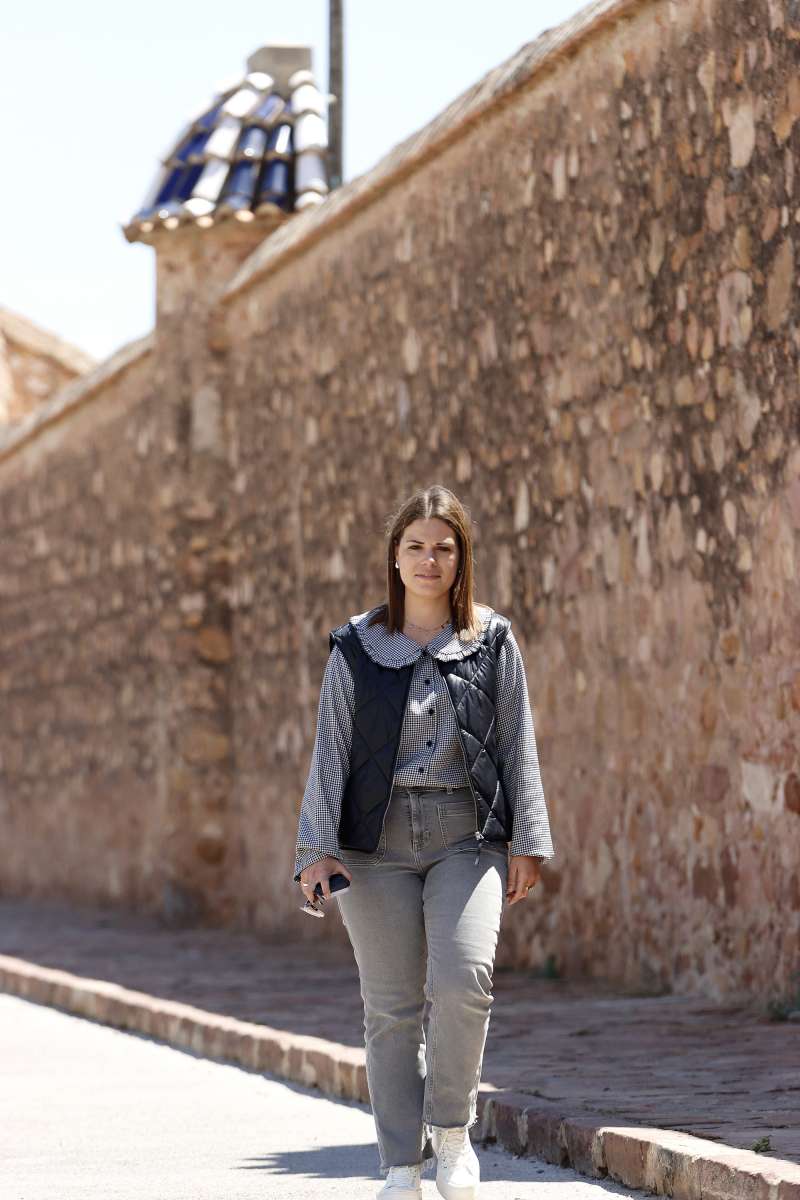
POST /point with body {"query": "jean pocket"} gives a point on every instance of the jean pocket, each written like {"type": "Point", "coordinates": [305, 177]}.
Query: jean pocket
{"type": "Point", "coordinates": [364, 858]}
{"type": "Point", "coordinates": [458, 821]}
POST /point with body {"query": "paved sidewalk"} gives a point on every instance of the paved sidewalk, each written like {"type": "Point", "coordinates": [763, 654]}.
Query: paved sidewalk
{"type": "Point", "coordinates": [89, 1113]}
{"type": "Point", "coordinates": [728, 1074]}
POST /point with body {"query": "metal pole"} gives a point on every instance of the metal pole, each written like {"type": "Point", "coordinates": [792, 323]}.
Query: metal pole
{"type": "Point", "coordinates": [336, 88]}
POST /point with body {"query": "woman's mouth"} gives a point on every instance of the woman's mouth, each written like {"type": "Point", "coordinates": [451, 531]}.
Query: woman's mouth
{"type": "Point", "coordinates": [427, 577]}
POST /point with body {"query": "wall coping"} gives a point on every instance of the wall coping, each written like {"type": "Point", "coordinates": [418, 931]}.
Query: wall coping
{"type": "Point", "coordinates": [73, 395]}
{"type": "Point", "coordinates": [40, 341]}
{"type": "Point", "coordinates": [489, 94]}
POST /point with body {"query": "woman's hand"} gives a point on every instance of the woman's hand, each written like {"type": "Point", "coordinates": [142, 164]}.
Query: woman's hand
{"type": "Point", "coordinates": [523, 873]}
{"type": "Point", "coordinates": [320, 872]}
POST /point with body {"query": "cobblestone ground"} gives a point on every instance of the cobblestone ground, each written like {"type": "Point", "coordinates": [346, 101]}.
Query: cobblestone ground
{"type": "Point", "coordinates": [724, 1073]}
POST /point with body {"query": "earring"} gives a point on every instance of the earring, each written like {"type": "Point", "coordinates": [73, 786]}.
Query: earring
{"type": "Point", "coordinates": [397, 565]}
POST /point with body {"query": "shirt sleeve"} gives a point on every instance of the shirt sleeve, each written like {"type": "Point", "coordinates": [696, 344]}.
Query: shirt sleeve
{"type": "Point", "coordinates": [519, 759]}
{"type": "Point", "coordinates": [317, 833]}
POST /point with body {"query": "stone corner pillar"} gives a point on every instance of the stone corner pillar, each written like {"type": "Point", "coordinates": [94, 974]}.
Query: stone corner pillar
{"type": "Point", "coordinates": [197, 870]}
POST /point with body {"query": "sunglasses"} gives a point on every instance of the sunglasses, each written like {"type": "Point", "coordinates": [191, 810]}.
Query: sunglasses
{"type": "Point", "coordinates": [313, 906]}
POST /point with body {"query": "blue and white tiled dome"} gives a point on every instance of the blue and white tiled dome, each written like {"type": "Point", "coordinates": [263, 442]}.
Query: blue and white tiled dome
{"type": "Point", "coordinates": [258, 150]}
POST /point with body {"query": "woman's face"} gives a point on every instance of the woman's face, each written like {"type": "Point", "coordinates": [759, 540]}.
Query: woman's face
{"type": "Point", "coordinates": [429, 558]}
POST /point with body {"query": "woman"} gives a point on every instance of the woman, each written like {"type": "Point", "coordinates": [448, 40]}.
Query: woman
{"type": "Point", "coordinates": [424, 769]}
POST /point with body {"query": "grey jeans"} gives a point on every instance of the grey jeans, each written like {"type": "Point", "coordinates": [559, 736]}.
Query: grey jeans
{"type": "Point", "coordinates": [423, 916]}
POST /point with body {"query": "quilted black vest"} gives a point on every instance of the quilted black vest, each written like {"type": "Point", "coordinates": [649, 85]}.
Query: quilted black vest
{"type": "Point", "coordinates": [380, 697]}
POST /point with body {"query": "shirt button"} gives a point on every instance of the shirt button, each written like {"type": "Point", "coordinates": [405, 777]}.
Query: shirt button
{"type": "Point", "coordinates": [429, 743]}
{"type": "Point", "coordinates": [428, 682]}
{"type": "Point", "coordinates": [430, 712]}
{"type": "Point", "coordinates": [421, 768]}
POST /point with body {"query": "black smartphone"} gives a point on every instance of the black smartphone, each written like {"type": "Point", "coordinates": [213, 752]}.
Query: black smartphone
{"type": "Point", "coordinates": [337, 883]}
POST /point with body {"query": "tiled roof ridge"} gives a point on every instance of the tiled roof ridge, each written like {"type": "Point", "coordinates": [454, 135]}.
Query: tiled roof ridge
{"type": "Point", "coordinates": [257, 149]}
{"type": "Point", "coordinates": [489, 93]}
{"type": "Point", "coordinates": [41, 341]}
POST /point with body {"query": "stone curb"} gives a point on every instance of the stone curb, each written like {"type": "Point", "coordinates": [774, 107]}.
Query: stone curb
{"type": "Point", "coordinates": [656, 1160]}
{"type": "Point", "coordinates": [334, 1069]}
{"type": "Point", "coordinates": [663, 1161]}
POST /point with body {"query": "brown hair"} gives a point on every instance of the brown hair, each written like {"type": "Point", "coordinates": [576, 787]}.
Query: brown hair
{"type": "Point", "coordinates": [434, 501]}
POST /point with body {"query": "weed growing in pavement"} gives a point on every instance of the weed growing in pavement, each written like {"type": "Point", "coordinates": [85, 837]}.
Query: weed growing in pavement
{"type": "Point", "coordinates": [779, 1007]}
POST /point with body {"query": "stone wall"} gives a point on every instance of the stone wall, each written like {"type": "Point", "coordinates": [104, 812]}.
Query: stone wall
{"type": "Point", "coordinates": [81, 740]}
{"type": "Point", "coordinates": [571, 300]}
{"type": "Point", "coordinates": [580, 316]}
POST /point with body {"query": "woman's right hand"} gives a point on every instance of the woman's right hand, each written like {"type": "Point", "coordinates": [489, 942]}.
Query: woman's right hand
{"type": "Point", "coordinates": [320, 872]}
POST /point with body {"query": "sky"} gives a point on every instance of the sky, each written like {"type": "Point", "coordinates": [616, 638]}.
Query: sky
{"type": "Point", "coordinates": [92, 93]}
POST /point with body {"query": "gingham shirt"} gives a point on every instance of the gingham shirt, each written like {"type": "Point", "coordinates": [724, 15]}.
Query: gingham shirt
{"type": "Point", "coordinates": [429, 754]}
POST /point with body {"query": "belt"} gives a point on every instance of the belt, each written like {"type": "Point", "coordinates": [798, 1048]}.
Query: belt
{"type": "Point", "coordinates": [444, 787]}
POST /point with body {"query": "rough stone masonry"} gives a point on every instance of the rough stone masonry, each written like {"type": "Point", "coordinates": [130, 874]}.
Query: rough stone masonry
{"type": "Point", "coordinates": [571, 299]}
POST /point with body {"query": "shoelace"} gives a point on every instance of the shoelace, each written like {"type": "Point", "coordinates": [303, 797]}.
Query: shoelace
{"type": "Point", "coordinates": [453, 1144]}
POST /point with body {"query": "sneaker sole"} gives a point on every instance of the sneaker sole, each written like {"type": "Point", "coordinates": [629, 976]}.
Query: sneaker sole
{"type": "Point", "coordinates": [457, 1193]}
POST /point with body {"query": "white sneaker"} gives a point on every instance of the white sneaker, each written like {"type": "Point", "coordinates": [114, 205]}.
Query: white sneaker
{"type": "Point", "coordinates": [402, 1183]}
{"type": "Point", "coordinates": [458, 1171]}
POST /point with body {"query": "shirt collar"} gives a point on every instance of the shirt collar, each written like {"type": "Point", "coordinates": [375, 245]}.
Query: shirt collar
{"type": "Point", "coordinates": [398, 650]}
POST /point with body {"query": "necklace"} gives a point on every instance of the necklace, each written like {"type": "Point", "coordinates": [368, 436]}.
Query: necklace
{"type": "Point", "coordinates": [426, 628]}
